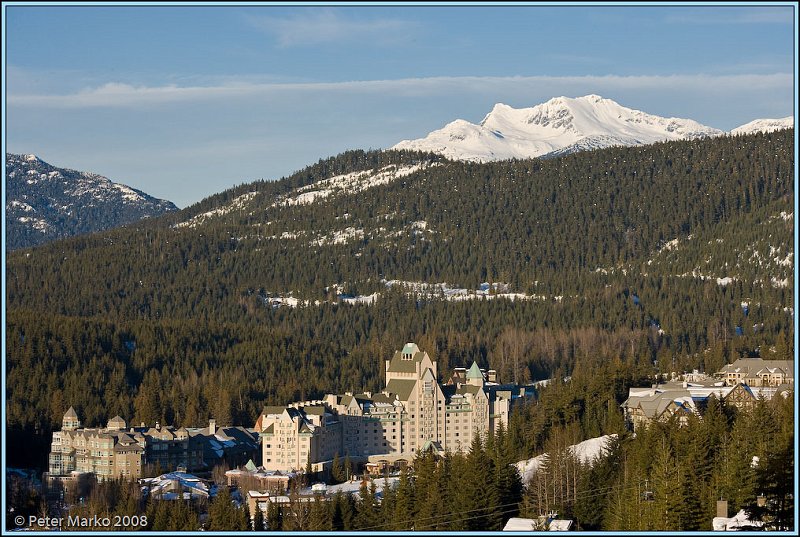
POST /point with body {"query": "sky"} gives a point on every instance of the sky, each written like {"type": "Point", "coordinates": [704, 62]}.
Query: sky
{"type": "Point", "coordinates": [182, 102]}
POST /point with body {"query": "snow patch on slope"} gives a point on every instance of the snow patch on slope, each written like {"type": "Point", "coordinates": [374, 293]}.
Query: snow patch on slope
{"type": "Point", "coordinates": [586, 452]}
{"type": "Point", "coordinates": [349, 183]}
{"type": "Point", "coordinates": [237, 204]}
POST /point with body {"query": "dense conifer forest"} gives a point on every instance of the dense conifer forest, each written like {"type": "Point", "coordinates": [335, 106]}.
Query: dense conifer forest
{"type": "Point", "coordinates": [626, 249]}
{"type": "Point", "coordinates": [665, 478]}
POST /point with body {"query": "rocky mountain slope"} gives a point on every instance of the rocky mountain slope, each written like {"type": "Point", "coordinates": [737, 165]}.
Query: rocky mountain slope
{"type": "Point", "coordinates": [45, 203]}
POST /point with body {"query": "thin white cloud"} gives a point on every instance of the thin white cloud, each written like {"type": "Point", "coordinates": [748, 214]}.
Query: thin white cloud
{"type": "Point", "coordinates": [732, 15]}
{"type": "Point", "coordinates": [315, 27]}
{"type": "Point", "coordinates": [118, 95]}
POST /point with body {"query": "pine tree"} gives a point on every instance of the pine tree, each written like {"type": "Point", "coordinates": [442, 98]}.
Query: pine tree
{"type": "Point", "coordinates": [481, 493]}
{"type": "Point", "coordinates": [222, 514]}
{"type": "Point", "coordinates": [774, 475]}
{"type": "Point", "coordinates": [337, 472]}
{"type": "Point", "coordinates": [274, 520]}
{"type": "Point", "coordinates": [258, 519]}
{"type": "Point", "coordinates": [403, 515]}
{"type": "Point", "coordinates": [367, 509]}
{"type": "Point", "coordinates": [320, 518]}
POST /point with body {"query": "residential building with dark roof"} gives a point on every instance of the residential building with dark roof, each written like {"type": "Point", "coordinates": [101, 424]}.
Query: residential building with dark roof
{"type": "Point", "coordinates": [412, 411]}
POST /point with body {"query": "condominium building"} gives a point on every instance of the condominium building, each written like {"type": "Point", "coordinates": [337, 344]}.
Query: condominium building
{"type": "Point", "coordinates": [757, 372]}
{"type": "Point", "coordinates": [738, 385]}
{"type": "Point", "coordinates": [414, 411]}
{"type": "Point", "coordinates": [121, 451]}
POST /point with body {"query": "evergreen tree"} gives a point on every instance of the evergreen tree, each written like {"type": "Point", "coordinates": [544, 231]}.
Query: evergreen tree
{"type": "Point", "coordinates": [320, 517]}
{"type": "Point", "coordinates": [482, 494]}
{"type": "Point", "coordinates": [403, 515]}
{"type": "Point", "coordinates": [223, 515]}
{"type": "Point", "coordinates": [259, 523]}
{"type": "Point", "coordinates": [774, 476]}
{"type": "Point", "coordinates": [367, 508]}
{"type": "Point", "coordinates": [337, 472]}
{"type": "Point", "coordinates": [274, 521]}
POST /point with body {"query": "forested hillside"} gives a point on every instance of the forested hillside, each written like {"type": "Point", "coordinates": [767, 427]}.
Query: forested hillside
{"type": "Point", "coordinates": [625, 254]}
{"type": "Point", "coordinates": [46, 203]}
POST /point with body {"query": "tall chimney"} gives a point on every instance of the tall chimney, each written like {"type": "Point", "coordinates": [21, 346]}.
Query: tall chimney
{"type": "Point", "coordinates": [722, 508]}
{"type": "Point", "coordinates": [212, 426]}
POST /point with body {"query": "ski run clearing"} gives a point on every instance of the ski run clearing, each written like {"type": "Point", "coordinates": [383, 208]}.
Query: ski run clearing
{"type": "Point", "coordinates": [587, 452]}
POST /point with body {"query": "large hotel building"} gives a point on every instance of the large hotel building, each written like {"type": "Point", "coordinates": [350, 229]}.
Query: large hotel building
{"type": "Point", "coordinates": [412, 413]}
{"type": "Point", "coordinates": [121, 451]}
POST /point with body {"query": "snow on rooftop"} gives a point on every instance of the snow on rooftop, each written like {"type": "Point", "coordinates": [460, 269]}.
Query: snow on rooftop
{"type": "Point", "coordinates": [735, 523]}
{"type": "Point", "coordinates": [446, 291]}
{"type": "Point", "coordinates": [360, 299]}
{"type": "Point", "coordinates": [352, 487]}
{"type": "Point", "coordinates": [521, 524]}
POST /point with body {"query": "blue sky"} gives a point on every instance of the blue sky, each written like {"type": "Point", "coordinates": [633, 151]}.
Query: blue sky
{"type": "Point", "coordinates": [183, 102]}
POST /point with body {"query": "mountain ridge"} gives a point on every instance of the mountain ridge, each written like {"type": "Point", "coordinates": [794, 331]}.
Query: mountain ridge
{"type": "Point", "coordinates": [537, 220]}
{"type": "Point", "coordinates": [560, 126]}
{"type": "Point", "coordinates": [764, 125]}
{"type": "Point", "coordinates": [45, 202]}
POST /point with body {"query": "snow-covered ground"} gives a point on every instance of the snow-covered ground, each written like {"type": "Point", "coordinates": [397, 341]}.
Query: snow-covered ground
{"type": "Point", "coordinates": [349, 183]}
{"type": "Point", "coordinates": [447, 292]}
{"type": "Point", "coordinates": [339, 237]}
{"type": "Point", "coordinates": [352, 487]}
{"type": "Point", "coordinates": [237, 204]}
{"type": "Point", "coordinates": [430, 291]}
{"type": "Point", "coordinates": [587, 452]}
{"type": "Point", "coordinates": [738, 522]}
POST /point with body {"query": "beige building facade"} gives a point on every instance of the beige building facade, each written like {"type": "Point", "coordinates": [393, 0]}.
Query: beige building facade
{"type": "Point", "coordinates": [756, 372]}
{"type": "Point", "coordinates": [121, 451]}
{"type": "Point", "coordinates": [413, 411]}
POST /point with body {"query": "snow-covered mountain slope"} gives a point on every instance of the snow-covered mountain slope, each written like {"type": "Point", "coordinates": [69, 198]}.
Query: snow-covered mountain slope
{"type": "Point", "coordinates": [765, 125]}
{"type": "Point", "coordinates": [45, 203]}
{"type": "Point", "coordinates": [558, 126]}
{"type": "Point", "coordinates": [345, 184]}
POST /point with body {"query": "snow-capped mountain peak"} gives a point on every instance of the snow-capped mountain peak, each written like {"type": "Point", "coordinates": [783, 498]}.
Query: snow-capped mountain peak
{"type": "Point", "coordinates": [553, 127]}
{"type": "Point", "coordinates": [765, 125]}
